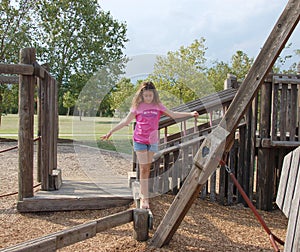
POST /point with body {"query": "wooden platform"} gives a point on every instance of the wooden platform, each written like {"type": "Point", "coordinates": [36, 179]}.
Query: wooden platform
{"type": "Point", "coordinates": [80, 195]}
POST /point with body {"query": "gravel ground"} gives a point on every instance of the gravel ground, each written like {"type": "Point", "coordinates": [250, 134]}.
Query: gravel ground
{"type": "Point", "coordinates": [208, 226]}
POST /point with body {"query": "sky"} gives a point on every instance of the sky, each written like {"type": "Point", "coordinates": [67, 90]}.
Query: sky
{"type": "Point", "coordinates": [158, 26]}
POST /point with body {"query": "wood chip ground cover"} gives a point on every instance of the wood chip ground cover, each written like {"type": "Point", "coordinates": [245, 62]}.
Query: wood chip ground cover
{"type": "Point", "coordinates": [208, 226]}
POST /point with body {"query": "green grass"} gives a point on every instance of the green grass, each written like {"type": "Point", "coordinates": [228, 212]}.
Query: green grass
{"type": "Point", "coordinates": [88, 130]}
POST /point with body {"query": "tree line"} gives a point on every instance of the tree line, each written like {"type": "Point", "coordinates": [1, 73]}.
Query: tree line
{"type": "Point", "coordinates": [82, 46]}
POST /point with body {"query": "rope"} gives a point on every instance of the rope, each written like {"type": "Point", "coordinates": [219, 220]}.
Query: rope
{"type": "Point", "coordinates": [13, 148]}
{"type": "Point", "coordinates": [273, 238]}
{"type": "Point", "coordinates": [16, 147]}
{"type": "Point", "coordinates": [14, 193]}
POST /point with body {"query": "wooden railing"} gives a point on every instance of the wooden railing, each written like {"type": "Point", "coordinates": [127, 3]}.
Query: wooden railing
{"type": "Point", "coordinates": [174, 160]}
{"type": "Point", "coordinates": [267, 132]}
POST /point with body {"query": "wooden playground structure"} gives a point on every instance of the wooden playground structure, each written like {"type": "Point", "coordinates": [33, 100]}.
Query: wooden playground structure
{"type": "Point", "coordinates": [246, 131]}
{"type": "Point", "coordinates": [55, 194]}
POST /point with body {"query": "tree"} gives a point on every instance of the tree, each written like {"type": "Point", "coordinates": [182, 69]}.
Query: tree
{"type": "Point", "coordinates": [217, 74]}
{"type": "Point", "coordinates": [77, 37]}
{"type": "Point", "coordinates": [240, 64]}
{"type": "Point", "coordinates": [15, 31]}
{"type": "Point", "coordinates": [97, 88]}
{"type": "Point", "coordinates": [16, 26]}
{"type": "Point", "coordinates": [68, 101]}
{"type": "Point", "coordinates": [181, 74]}
{"type": "Point", "coordinates": [121, 96]}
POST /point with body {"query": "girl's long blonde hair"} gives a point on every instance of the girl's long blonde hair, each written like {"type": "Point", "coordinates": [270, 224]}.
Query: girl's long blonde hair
{"type": "Point", "coordinates": [138, 98]}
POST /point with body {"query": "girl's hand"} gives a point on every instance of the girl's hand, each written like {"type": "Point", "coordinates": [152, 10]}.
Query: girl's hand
{"type": "Point", "coordinates": [195, 114]}
{"type": "Point", "coordinates": [106, 137]}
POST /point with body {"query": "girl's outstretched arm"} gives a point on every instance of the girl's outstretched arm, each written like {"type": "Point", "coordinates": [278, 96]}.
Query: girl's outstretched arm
{"type": "Point", "coordinates": [176, 115]}
{"type": "Point", "coordinates": [120, 125]}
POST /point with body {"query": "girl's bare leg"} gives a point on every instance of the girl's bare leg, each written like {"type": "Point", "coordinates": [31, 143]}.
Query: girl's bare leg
{"type": "Point", "coordinates": [144, 159]}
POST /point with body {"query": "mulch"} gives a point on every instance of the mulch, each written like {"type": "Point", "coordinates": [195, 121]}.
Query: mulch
{"type": "Point", "coordinates": [208, 226]}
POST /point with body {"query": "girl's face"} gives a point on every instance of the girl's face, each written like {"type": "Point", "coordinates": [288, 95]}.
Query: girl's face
{"type": "Point", "coordinates": [148, 96]}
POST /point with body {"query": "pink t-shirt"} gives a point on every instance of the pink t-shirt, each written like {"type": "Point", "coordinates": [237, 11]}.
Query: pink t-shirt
{"type": "Point", "coordinates": [147, 118]}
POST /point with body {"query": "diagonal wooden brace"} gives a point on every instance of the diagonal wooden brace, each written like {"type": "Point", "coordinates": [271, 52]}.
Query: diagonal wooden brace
{"type": "Point", "coordinates": [210, 152]}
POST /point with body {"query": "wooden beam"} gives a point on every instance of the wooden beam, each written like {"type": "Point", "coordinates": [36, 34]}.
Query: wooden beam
{"type": "Point", "coordinates": [26, 120]}
{"type": "Point", "coordinates": [9, 79]}
{"type": "Point", "coordinates": [64, 238]}
{"type": "Point", "coordinates": [24, 69]}
{"type": "Point", "coordinates": [211, 150]}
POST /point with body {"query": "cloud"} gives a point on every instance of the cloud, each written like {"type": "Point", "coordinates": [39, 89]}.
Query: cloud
{"type": "Point", "coordinates": [156, 27]}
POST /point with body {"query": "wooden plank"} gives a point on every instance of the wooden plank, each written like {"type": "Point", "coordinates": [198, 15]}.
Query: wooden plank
{"type": "Point", "coordinates": [43, 244]}
{"type": "Point", "coordinates": [24, 68]}
{"type": "Point", "coordinates": [205, 163]}
{"type": "Point", "coordinates": [290, 239]}
{"type": "Point", "coordinates": [9, 79]}
{"type": "Point", "coordinates": [285, 79]}
{"type": "Point", "coordinates": [293, 233]}
{"type": "Point", "coordinates": [283, 180]}
{"type": "Point", "coordinates": [253, 149]}
{"type": "Point", "coordinates": [75, 234]}
{"type": "Point", "coordinates": [268, 143]}
{"type": "Point", "coordinates": [166, 172]}
{"type": "Point", "coordinates": [283, 112]}
{"type": "Point", "coordinates": [58, 240]}
{"type": "Point", "coordinates": [175, 174]}
{"type": "Point", "coordinates": [114, 220]}
{"type": "Point", "coordinates": [69, 204]}
{"type": "Point", "coordinates": [275, 101]}
{"type": "Point", "coordinates": [293, 113]}
{"type": "Point", "coordinates": [291, 183]}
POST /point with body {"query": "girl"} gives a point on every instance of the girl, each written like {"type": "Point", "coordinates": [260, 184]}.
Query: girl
{"type": "Point", "coordinates": [146, 109]}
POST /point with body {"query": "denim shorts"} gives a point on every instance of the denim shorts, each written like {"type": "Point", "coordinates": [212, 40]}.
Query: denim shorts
{"type": "Point", "coordinates": [143, 147]}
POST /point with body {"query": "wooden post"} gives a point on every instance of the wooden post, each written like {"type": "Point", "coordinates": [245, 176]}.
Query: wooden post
{"type": "Point", "coordinates": [26, 120]}
{"type": "Point", "coordinates": [265, 174]}
{"type": "Point", "coordinates": [140, 224]}
{"type": "Point", "coordinates": [211, 150]}
{"type": "Point", "coordinates": [44, 90]}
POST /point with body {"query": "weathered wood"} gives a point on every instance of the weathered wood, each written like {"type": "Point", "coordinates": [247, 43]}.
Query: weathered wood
{"type": "Point", "coordinates": [44, 131]}
{"type": "Point", "coordinates": [25, 68]}
{"type": "Point", "coordinates": [283, 112]}
{"type": "Point", "coordinates": [265, 181]}
{"type": "Point", "coordinates": [114, 220]}
{"type": "Point", "coordinates": [140, 224]}
{"type": "Point", "coordinates": [175, 174]}
{"type": "Point", "coordinates": [76, 234]}
{"type": "Point", "coordinates": [268, 143]}
{"type": "Point", "coordinates": [288, 198]}
{"type": "Point", "coordinates": [26, 120]}
{"type": "Point", "coordinates": [292, 241]}
{"type": "Point", "coordinates": [206, 163]}
{"type": "Point", "coordinates": [291, 183]}
{"type": "Point", "coordinates": [64, 238]}
{"type": "Point", "coordinates": [293, 113]}
{"type": "Point", "coordinates": [43, 244]}
{"type": "Point", "coordinates": [9, 79]}
{"type": "Point", "coordinates": [39, 204]}
{"type": "Point", "coordinates": [274, 111]}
